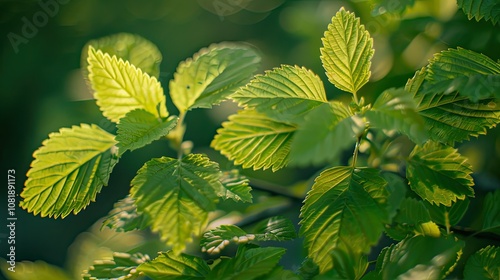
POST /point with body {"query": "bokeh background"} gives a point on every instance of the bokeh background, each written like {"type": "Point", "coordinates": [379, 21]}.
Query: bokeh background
{"type": "Point", "coordinates": [42, 90]}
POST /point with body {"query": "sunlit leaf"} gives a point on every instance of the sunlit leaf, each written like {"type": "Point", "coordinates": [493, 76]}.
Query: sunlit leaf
{"type": "Point", "coordinates": [324, 134]}
{"type": "Point", "coordinates": [275, 228]}
{"type": "Point", "coordinates": [439, 174]}
{"type": "Point", "coordinates": [473, 75]}
{"type": "Point", "coordinates": [491, 212]}
{"type": "Point", "coordinates": [38, 270]}
{"type": "Point", "coordinates": [418, 257]}
{"type": "Point", "coordinates": [176, 196]}
{"type": "Point", "coordinates": [235, 187]}
{"type": "Point", "coordinates": [347, 52]}
{"type": "Point", "coordinates": [451, 117]}
{"type": "Point", "coordinates": [286, 94]}
{"type": "Point", "coordinates": [254, 140]}
{"type": "Point", "coordinates": [69, 170]}
{"type": "Point", "coordinates": [250, 263]}
{"type": "Point", "coordinates": [481, 9]}
{"type": "Point", "coordinates": [345, 207]}
{"type": "Point", "coordinates": [169, 265]}
{"type": "Point", "coordinates": [212, 74]}
{"type": "Point", "coordinates": [483, 265]}
{"type": "Point", "coordinates": [124, 216]}
{"type": "Point", "coordinates": [122, 266]}
{"type": "Point", "coordinates": [139, 128]}
{"type": "Point", "coordinates": [129, 47]}
{"type": "Point", "coordinates": [120, 87]}
{"type": "Point", "coordinates": [395, 109]}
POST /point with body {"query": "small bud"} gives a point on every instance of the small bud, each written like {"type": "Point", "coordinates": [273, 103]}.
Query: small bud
{"type": "Point", "coordinates": [243, 239]}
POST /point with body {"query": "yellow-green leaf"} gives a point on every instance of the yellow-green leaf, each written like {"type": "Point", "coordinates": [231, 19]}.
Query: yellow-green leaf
{"type": "Point", "coordinates": [211, 75]}
{"type": "Point", "coordinates": [346, 209]}
{"type": "Point", "coordinates": [169, 265]}
{"type": "Point", "coordinates": [176, 196]}
{"type": "Point", "coordinates": [347, 52]}
{"type": "Point", "coordinates": [69, 170]}
{"type": "Point", "coordinates": [130, 47]}
{"type": "Point", "coordinates": [139, 128]}
{"type": "Point", "coordinates": [120, 87]}
{"type": "Point", "coordinates": [451, 118]}
{"type": "Point", "coordinates": [254, 140]}
{"type": "Point", "coordinates": [439, 174]}
{"type": "Point", "coordinates": [286, 94]}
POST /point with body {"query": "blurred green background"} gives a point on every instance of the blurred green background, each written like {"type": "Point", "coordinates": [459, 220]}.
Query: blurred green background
{"type": "Point", "coordinates": [42, 88]}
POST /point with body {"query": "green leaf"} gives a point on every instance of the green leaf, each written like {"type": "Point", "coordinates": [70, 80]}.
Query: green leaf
{"type": "Point", "coordinates": [38, 270]}
{"type": "Point", "coordinates": [215, 240]}
{"type": "Point", "coordinates": [395, 109]}
{"type": "Point", "coordinates": [275, 228]}
{"type": "Point", "coordinates": [211, 75]}
{"type": "Point", "coordinates": [419, 257]}
{"type": "Point", "coordinates": [396, 188]}
{"type": "Point", "coordinates": [169, 265]}
{"type": "Point", "coordinates": [347, 52]}
{"type": "Point", "coordinates": [69, 170]}
{"type": "Point", "coordinates": [122, 266]}
{"type": "Point", "coordinates": [121, 87]}
{"type": "Point", "coordinates": [439, 174]}
{"type": "Point", "coordinates": [348, 265]}
{"type": "Point", "coordinates": [448, 216]}
{"type": "Point", "coordinates": [491, 212]}
{"type": "Point", "coordinates": [285, 94]}
{"type": "Point", "coordinates": [481, 9]}
{"type": "Point", "coordinates": [176, 196]}
{"type": "Point", "coordinates": [484, 264]}
{"type": "Point", "coordinates": [249, 263]}
{"type": "Point", "coordinates": [324, 134]}
{"type": "Point", "coordinates": [254, 140]}
{"type": "Point", "coordinates": [124, 217]}
{"type": "Point", "coordinates": [235, 187]}
{"type": "Point", "coordinates": [450, 117]}
{"type": "Point", "coordinates": [412, 219]}
{"type": "Point", "coordinates": [308, 269]}
{"type": "Point", "coordinates": [346, 207]}
{"type": "Point", "coordinates": [471, 74]}
{"type": "Point", "coordinates": [129, 47]}
{"type": "Point", "coordinates": [139, 128]}
{"type": "Point", "coordinates": [279, 272]}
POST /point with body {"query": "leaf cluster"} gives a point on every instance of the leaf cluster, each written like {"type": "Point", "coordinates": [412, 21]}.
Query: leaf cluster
{"type": "Point", "coordinates": [285, 119]}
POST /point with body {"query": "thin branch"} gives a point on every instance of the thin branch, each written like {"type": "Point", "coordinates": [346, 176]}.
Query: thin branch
{"type": "Point", "coordinates": [274, 189]}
